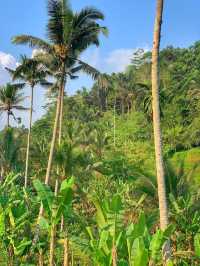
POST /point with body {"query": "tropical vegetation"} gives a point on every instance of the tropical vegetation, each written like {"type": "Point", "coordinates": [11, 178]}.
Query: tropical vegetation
{"type": "Point", "coordinates": [110, 174]}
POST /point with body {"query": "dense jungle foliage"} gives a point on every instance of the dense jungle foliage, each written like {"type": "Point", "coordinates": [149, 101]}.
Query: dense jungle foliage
{"type": "Point", "coordinates": [100, 206]}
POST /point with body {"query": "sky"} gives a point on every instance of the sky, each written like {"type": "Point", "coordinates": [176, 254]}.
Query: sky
{"type": "Point", "coordinates": [130, 24]}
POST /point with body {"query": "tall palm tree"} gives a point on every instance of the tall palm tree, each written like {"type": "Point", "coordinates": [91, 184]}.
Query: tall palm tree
{"type": "Point", "coordinates": [157, 128]}
{"type": "Point", "coordinates": [32, 72]}
{"type": "Point", "coordinates": [11, 98]}
{"type": "Point", "coordinates": [69, 35]}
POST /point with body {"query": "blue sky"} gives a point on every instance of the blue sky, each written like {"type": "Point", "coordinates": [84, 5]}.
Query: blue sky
{"type": "Point", "coordinates": [130, 25]}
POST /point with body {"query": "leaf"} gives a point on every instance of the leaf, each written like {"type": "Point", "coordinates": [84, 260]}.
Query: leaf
{"type": "Point", "coordinates": [66, 184]}
{"type": "Point", "coordinates": [118, 241]}
{"type": "Point", "coordinates": [141, 225]}
{"type": "Point", "coordinates": [174, 203]}
{"type": "Point", "coordinates": [100, 216]}
{"type": "Point", "coordinates": [122, 263]}
{"type": "Point", "coordinates": [139, 256]}
{"type": "Point", "coordinates": [141, 199]}
{"type": "Point", "coordinates": [197, 245]}
{"type": "Point", "coordinates": [64, 199]}
{"type": "Point", "coordinates": [11, 217]}
{"type": "Point", "coordinates": [116, 203]}
{"type": "Point", "coordinates": [168, 232]}
{"type": "Point", "coordinates": [21, 247]}
{"type": "Point", "coordinates": [45, 195]}
{"type": "Point", "coordinates": [2, 223]}
{"type": "Point", "coordinates": [89, 231]}
{"type": "Point", "coordinates": [43, 223]}
{"type": "Point", "coordinates": [156, 244]}
{"type": "Point", "coordinates": [170, 263]}
{"type": "Point", "coordinates": [103, 242]}
{"type": "Point", "coordinates": [10, 179]}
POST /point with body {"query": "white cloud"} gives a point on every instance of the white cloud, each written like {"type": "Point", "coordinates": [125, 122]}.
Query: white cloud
{"type": "Point", "coordinates": [36, 52]}
{"type": "Point", "coordinates": [6, 60]}
{"type": "Point", "coordinates": [115, 61]}
{"type": "Point", "coordinates": [119, 59]}
{"type": "Point", "coordinates": [92, 57]}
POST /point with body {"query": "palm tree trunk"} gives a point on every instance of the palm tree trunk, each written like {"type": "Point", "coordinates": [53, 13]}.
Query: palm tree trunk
{"type": "Point", "coordinates": [37, 231]}
{"type": "Point", "coordinates": [114, 123]}
{"type": "Point", "coordinates": [72, 260]}
{"type": "Point", "coordinates": [10, 256]}
{"type": "Point", "coordinates": [28, 141]}
{"type": "Point", "coordinates": [8, 118]}
{"type": "Point", "coordinates": [114, 256]}
{"type": "Point", "coordinates": [61, 116]}
{"type": "Point", "coordinates": [52, 244]}
{"type": "Point", "coordinates": [54, 137]}
{"type": "Point", "coordinates": [66, 252]}
{"type": "Point", "coordinates": [52, 145]}
{"type": "Point", "coordinates": [157, 128]}
{"type": "Point", "coordinates": [41, 259]}
{"type": "Point", "coordinates": [53, 234]}
{"type": "Point", "coordinates": [60, 138]}
{"type": "Point", "coordinates": [53, 229]}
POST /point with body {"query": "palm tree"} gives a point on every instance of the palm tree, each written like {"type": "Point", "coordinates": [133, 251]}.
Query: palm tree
{"type": "Point", "coordinates": [157, 128]}
{"type": "Point", "coordinates": [32, 72]}
{"type": "Point", "coordinates": [69, 35]}
{"type": "Point", "coordinates": [11, 98]}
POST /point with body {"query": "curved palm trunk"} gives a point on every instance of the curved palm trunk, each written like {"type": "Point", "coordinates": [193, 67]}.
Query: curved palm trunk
{"type": "Point", "coordinates": [66, 242]}
{"type": "Point", "coordinates": [41, 259]}
{"type": "Point", "coordinates": [53, 234]}
{"type": "Point", "coordinates": [66, 252]}
{"type": "Point", "coordinates": [48, 172]}
{"type": "Point", "coordinates": [157, 128]}
{"type": "Point", "coordinates": [114, 123]}
{"type": "Point", "coordinates": [61, 116]}
{"type": "Point", "coordinates": [114, 256]}
{"type": "Point", "coordinates": [8, 118]}
{"type": "Point", "coordinates": [37, 231]}
{"type": "Point", "coordinates": [53, 229]}
{"type": "Point", "coordinates": [28, 141]}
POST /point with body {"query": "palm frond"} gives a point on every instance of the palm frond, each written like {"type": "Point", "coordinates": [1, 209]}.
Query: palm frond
{"type": "Point", "coordinates": [88, 69]}
{"type": "Point", "coordinates": [20, 107]}
{"type": "Point", "coordinates": [60, 16]}
{"type": "Point", "coordinates": [88, 13]}
{"type": "Point", "coordinates": [33, 42]}
{"type": "Point", "coordinates": [46, 83]}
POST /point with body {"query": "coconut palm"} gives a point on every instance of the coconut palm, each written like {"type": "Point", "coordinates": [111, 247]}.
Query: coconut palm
{"type": "Point", "coordinates": [157, 128]}
{"type": "Point", "coordinates": [11, 98]}
{"type": "Point", "coordinates": [32, 72]}
{"type": "Point", "coordinates": [69, 35]}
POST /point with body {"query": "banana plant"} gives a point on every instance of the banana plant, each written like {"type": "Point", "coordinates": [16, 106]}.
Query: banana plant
{"type": "Point", "coordinates": [15, 220]}
{"type": "Point", "coordinates": [185, 216]}
{"type": "Point", "coordinates": [111, 241]}
{"type": "Point", "coordinates": [55, 206]}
